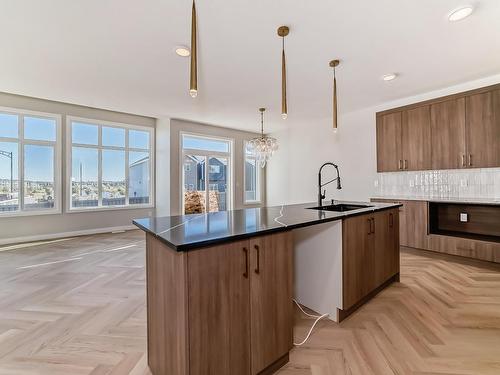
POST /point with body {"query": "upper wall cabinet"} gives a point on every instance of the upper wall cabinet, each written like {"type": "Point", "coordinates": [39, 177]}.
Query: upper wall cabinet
{"type": "Point", "coordinates": [483, 129]}
{"type": "Point", "coordinates": [448, 134]}
{"type": "Point", "coordinates": [459, 131]}
{"type": "Point", "coordinates": [416, 139]}
{"type": "Point", "coordinates": [389, 142]}
{"type": "Point", "coordinates": [403, 140]}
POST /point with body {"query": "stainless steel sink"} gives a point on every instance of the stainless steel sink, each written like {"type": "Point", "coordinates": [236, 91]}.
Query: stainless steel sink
{"type": "Point", "coordinates": [341, 207]}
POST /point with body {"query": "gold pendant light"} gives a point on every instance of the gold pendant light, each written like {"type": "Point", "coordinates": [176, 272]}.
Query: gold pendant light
{"type": "Point", "coordinates": [282, 32]}
{"type": "Point", "coordinates": [334, 64]}
{"type": "Point", "coordinates": [193, 85]}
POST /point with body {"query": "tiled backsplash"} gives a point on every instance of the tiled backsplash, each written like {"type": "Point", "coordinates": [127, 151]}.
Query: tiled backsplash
{"type": "Point", "coordinates": [454, 183]}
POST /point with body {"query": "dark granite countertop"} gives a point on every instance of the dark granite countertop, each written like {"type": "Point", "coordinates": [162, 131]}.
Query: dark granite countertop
{"type": "Point", "coordinates": [188, 232]}
{"type": "Point", "coordinates": [479, 201]}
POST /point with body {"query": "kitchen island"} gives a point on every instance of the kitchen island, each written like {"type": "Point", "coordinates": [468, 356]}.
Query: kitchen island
{"type": "Point", "coordinates": [220, 285]}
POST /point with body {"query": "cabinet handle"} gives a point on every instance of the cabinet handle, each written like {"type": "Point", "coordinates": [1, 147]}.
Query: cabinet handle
{"type": "Point", "coordinates": [463, 160]}
{"type": "Point", "coordinates": [391, 221]}
{"type": "Point", "coordinates": [369, 226]}
{"type": "Point", "coordinates": [257, 270]}
{"type": "Point", "coordinates": [406, 164]}
{"type": "Point", "coordinates": [245, 274]}
{"type": "Point", "coordinates": [373, 222]}
{"type": "Point", "coordinates": [470, 160]}
{"type": "Point", "coordinates": [400, 164]}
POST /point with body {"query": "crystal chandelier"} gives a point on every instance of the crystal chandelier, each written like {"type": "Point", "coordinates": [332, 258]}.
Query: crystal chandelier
{"type": "Point", "coordinates": [262, 147]}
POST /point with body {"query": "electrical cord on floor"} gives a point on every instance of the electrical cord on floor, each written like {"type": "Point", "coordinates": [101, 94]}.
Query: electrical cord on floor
{"type": "Point", "coordinates": [317, 317]}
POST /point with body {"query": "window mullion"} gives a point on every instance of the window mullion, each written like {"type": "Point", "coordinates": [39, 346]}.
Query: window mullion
{"type": "Point", "coordinates": [127, 202]}
{"type": "Point", "coordinates": [20, 158]}
{"type": "Point", "coordinates": [99, 167]}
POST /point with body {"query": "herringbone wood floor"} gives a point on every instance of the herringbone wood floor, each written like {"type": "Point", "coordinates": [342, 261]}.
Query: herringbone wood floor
{"type": "Point", "coordinates": [77, 306]}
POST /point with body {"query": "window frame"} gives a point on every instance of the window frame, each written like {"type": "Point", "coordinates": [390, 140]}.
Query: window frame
{"type": "Point", "coordinates": [207, 154]}
{"type": "Point", "coordinates": [57, 144]}
{"type": "Point", "coordinates": [258, 176]}
{"type": "Point", "coordinates": [109, 124]}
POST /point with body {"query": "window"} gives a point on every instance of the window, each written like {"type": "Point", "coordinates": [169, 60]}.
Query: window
{"type": "Point", "coordinates": [29, 163]}
{"type": "Point", "coordinates": [205, 189]}
{"type": "Point", "coordinates": [111, 165]}
{"type": "Point", "coordinates": [252, 178]}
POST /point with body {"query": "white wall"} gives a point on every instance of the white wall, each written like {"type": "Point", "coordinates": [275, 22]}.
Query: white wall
{"type": "Point", "coordinates": [162, 167]}
{"type": "Point", "coordinates": [292, 173]}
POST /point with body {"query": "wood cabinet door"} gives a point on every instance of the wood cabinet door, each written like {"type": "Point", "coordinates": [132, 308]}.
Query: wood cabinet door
{"type": "Point", "coordinates": [483, 130]}
{"type": "Point", "coordinates": [389, 142]}
{"type": "Point", "coordinates": [386, 245]}
{"type": "Point", "coordinates": [416, 224]}
{"type": "Point", "coordinates": [357, 259]}
{"type": "Point", "coordinates": [219, 310]}
{"type": "Point", "coordinates": [271, 293]}
{"type": "Point", "coordinates": [416, 139]}
{"type": "Point", "coordinates": [448, 134]}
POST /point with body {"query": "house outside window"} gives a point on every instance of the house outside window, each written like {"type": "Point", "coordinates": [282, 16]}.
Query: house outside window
{"type": "Point", "coordinates": [30, 163]}
{"type": "Point", "coordinates": [206, 189]}
{"type": "Point", "coordinates": [252, 178]}
{"type": "Point", "coordinates": [110, 165]}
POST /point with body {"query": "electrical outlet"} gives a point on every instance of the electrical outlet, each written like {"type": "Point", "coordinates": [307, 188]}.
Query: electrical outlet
{"type": "Point", "coordinates": [464, 218]}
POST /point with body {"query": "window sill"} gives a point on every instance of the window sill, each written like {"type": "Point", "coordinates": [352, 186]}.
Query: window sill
{"type": "Point", "coordinates": [54, 211]}
{"type": "Point", "coordinates": [109, 208]}
{"type": "Point", "coordinates": [252, 203]}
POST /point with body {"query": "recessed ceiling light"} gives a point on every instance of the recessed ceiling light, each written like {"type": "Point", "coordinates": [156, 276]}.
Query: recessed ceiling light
{"type": "Point", "coordinates": [389, 77]}
{"type": "Point", "coordinates": [182, 51]}
{"type": "Point", "coordinates": [460, 13]}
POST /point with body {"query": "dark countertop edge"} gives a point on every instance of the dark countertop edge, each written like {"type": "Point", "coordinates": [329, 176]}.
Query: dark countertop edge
{"type": "Point", "coordinates": [238, 237]}
{"type": "Point", "coordinates": [438, 200]}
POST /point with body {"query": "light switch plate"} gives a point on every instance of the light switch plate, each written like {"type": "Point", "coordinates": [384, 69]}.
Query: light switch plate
{"type": "Point", "coordinates": [464, 218]}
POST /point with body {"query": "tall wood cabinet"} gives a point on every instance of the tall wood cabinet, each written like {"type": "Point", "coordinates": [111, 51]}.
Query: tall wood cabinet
{"type": "Point", "coordinates": [448, 134]}
{"type": "Point", "coordinates": [459, 131]}
{"type": "Point", "coordinates": [483, 129]}
{"type": "Point", "coordinates": [403, 140]}
{"type": "Point", "coordinates": [370, 244]}
{"type": "Point", "coordinates": [229, 307]}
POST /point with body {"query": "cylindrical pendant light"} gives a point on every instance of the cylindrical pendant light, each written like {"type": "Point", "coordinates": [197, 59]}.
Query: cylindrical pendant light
{"type": "Point", "coordinates": [282, 32]}
{"type": "Point", "coordinates": [193, 85]}
{"type": "Point", "coordinates": [334, 64]}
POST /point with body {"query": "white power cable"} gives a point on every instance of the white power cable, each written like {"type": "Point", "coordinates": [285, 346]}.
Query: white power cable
{"type": "Point", "coordinates": [317, 317]}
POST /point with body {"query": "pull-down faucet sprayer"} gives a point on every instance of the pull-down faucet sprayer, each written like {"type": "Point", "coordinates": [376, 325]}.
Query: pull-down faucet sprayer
{"type": "Point", "coordinates": [322, 196]}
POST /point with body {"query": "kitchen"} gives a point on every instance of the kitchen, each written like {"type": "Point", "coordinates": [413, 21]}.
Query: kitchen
{"type": "Point", "coordinates": [313, 194]}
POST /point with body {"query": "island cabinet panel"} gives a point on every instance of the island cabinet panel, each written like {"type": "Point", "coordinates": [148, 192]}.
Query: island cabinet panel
{"type": "Point", "coordinates": [271, 296]}
{"type": "Point", "coordinates": [358, 259]}
{"type": "Point", "coordinates": [220, 310]}
{"type": "Point", "coordinates": [219, 313]}
{"type": "Point", "coordinates": [483, 129]}
{"type": "Point", "coordinates": [416, 139]}
{"type": "Point", "coordinates": [389, 142]}
{"type": "Point", "coordinates": [448, 134]}
{"type": "Point", "coordinates": [167, 309]}
{"type": "Point", "coordinates": [370, 254]}
{"type": "Point", "coordinates": [386, 245]}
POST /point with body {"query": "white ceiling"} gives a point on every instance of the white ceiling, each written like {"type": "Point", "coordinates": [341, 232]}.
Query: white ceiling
{"type": "Point", "coordinates": [118, 54]}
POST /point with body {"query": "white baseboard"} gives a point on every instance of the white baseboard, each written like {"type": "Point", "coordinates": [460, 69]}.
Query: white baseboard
{"type": "Point", "coordinates": [53, 236]}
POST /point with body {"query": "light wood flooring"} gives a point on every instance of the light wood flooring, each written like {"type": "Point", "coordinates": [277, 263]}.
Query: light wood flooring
{"type": "Point", "coordinates": [77, 306]}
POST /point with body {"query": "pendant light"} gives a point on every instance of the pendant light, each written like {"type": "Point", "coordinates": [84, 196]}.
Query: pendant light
{"type": "Point", "coordinates": [193, 84]}
{"type": "Point", "coordinates": [262, 147]}
{"type": "Point", "coordinates": [282, 32]}
{"type": "Point", "coordinates": [334, 64]}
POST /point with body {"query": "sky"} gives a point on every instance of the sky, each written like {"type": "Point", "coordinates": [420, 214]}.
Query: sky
{"type": "Point", "coordinates": [39, 160]}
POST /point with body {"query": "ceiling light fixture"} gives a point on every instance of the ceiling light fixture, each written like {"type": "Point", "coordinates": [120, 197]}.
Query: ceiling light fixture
{"type": "Point", "coordinates": [389, 77]}
{"type": "Point", "coordinates": [334, 64]}
{"type": "Point", "coordinates": [193, 84]}
{"type": "Point", "coordinates": [282, 32]}
{"type": "Point", "coordinates": [262, 147]}
{"type": "Point", "coordinates": [460, 13]}
{"type": "Point", "coordinates": [182, 51]}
